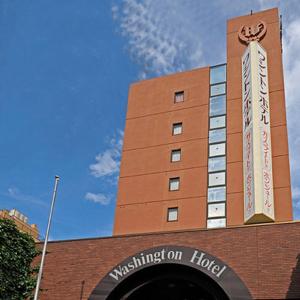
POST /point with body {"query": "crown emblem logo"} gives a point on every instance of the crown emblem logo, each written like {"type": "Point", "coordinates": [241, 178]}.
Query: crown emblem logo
{"type": "Point", "coordinates": [251, 33]}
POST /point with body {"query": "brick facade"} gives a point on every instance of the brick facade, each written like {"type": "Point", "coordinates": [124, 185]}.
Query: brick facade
{"type": "Point", "coordinates": [265, 257]}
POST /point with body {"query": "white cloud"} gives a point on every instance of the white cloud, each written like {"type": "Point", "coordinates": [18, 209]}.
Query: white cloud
{"type": "Point", "coordinates": [159, 35]}
{"type": "Point", "coordinates": [170, 36]}
{"type": "Point", "coordinates": [107, 166]}
{"type": "Point", "coordinates": [108, 161]}
{"type": "Point", "coordinates": [98, 198]}
{"type": "Point", "coordinates": [15, 193]}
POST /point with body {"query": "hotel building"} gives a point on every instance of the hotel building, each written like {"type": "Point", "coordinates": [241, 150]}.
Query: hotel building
{"type": "Point", "coordinates": [204, 208]}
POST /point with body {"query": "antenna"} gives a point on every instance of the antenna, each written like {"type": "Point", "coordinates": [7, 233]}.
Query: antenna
{"type": "Point", "coordinates": [280, 30]}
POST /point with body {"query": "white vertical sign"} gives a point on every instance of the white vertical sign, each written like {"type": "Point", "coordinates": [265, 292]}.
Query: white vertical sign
{"type": "Point", "coordinates": [257, 156]}
{"type": "Point", "coordinates": [249, 196]}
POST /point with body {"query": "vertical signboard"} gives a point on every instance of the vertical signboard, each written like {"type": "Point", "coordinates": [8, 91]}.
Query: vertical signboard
{"type": "Point", "coordinates": [257, 156]}
{"type": "Point", "coordinates": [249, 196]}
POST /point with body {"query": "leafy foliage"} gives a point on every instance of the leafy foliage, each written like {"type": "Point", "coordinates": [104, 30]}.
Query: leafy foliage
{"type": "Point", "coordinates": [17, 250]}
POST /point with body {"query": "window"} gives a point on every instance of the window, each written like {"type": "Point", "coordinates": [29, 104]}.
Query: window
{"type": "Point", "coordinates": [172, 214]}
{"type": "Point", "coordinates": [217, 106]}
{"type": "Point", "coordinates": [179, 97]}
{"type": "Point", "coordinates": [217, 149]}
{"type": "Point", "coordinates": [216, 194]}
{"type": "Point", "coordinates": [177, 128]}
{"type": "Point", "coordinates": [217, 89]}
{"type": "Point", "coordinates": [216, 223]}
{"type": "Point", "coordinates": [217, 122]}
{"type": "Point", "coordinates": [216, 191]}
{"type": "Point", "coordinates": [216, 210]}
{"type": "Point", "coordinates": [175, 155]}
{"type": "Point", "coordinates": [217, 135]}
{"type": "Point", "coordinates": [216, 164]}
{"type": "Point", "coordinates": [174, 184]}
{"type": "Point", "coordinates": [217, 74]}
{"type": "Point", "coordinates": [215, 179]}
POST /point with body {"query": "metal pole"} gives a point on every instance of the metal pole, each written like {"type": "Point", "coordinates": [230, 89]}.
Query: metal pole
{"type": "Point", "coordinates": [36, 294]}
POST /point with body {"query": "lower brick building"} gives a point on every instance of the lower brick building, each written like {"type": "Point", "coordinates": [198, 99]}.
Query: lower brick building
{"type": "Point", "coordinates": [262, 262]}
{"type": "Point", "coordinates": [21, 222]}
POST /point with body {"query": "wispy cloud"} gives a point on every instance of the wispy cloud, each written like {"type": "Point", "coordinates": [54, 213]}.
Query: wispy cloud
{"type": "Point", "coordinates": [159, 35]}
{"type": "Point", "coordinates": [15, 193]}
{"type": "Point", "coordinates": [170, 36]}
{"type": "Point", "coordinates": [98, 198]}
{"type": "Point", "coordinates": [108, 162]}
{"type": "Point", "coordinates": [107, 167]}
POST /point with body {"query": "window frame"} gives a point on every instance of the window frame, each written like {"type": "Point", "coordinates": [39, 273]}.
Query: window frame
{"type": "Point", "coordinates": [217, 117]}
{"type": "Point", "coordinates": [218, 141]}
{"type": "Point", "coordinates": [170, 182]}
{"type": "Point", "coordinates": [177, 124]}
{"type": "Point", "coordinates": [216, 185]}
{"type": "Point", "coordinates": [216, 144]}
{"type": "Point", "coordinates": [179, 93]}
{"type": "Point", "coordinates": [215, 219]}
{"type": "Point", "coordinates": [220, 204]}
{"type": "Point", "coordinates": [217, 158]}
{"type": "Point", "coordinates": [215, 99]}
{"type": "Point", "coordinates": [170, 210]}
{"type": "Point", "coordinates": [173, 151]}
{"type": "Point", "coordinates": [224, 65]}
{"type": "Point", "coordinates": [211, 86]}
{"type": "Point", "coordinates": [209, 189]}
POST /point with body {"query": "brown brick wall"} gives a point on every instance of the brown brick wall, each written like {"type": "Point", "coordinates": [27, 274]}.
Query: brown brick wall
{"type": "Point", "coordinates": [264, 256]}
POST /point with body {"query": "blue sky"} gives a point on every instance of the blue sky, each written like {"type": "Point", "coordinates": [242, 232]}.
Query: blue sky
{"type": "Point", "coordinates": [65, 71]}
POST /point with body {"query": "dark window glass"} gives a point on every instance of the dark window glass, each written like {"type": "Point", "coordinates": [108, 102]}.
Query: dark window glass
{"type": "Point", "coordinates": [174, 184]}
{"type": "Point", "coordinates": [176, 155]}
{"type": "Point", "coordinates": [177, 128]}
{"type": "Point", "coordinates": [179, 97]}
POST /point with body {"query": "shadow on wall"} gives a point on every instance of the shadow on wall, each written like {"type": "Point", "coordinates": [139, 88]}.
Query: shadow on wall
{"type": "Point", "coordinates": [82, 289]}
{"type": "Point", "coordinates": [294, 288]}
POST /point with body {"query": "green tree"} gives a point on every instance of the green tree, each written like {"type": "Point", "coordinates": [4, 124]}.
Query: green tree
{"type": "Point", "coordinates": [17, 251]}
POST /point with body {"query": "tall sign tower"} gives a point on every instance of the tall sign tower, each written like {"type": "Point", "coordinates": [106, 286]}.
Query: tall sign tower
{"type": "Point", "coordinates": [257, 149]}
